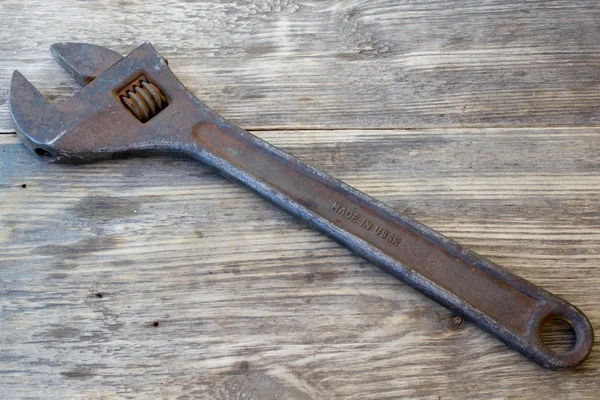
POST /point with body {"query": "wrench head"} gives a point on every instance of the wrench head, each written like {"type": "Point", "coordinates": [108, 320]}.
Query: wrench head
{"type": "Point", "coordinates": [128, 105]}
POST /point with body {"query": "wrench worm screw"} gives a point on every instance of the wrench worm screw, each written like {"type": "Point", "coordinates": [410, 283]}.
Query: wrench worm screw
{"type": "Point", "coordinates": [143, 99]}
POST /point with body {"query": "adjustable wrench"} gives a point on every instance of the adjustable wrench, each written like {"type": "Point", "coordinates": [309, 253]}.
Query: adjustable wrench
{"type": "Point", "coordinates": [136, 105]}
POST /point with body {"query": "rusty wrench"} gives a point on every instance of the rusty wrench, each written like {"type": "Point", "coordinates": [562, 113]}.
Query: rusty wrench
{"type": "Point", "coordinates": [135, 104]}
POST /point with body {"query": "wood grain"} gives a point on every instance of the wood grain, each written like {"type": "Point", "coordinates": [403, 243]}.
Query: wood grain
{"type": "Point", "coordinates": [158, 278]}
{"type": "Point", "coordinates": [331, 64]}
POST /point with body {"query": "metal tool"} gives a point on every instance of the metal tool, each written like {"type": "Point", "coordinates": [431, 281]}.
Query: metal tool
{"type": "Point", "coordinates": [136, 105]}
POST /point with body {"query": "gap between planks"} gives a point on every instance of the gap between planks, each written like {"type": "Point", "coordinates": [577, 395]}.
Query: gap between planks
{"type": "Point", "coordinates": [398, 129]}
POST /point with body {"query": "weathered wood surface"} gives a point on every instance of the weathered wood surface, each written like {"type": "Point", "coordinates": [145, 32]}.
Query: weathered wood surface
{"type": "Point", "coordinates": [249, 302]}
{"type": "Point", "coordinates": [290, 63]}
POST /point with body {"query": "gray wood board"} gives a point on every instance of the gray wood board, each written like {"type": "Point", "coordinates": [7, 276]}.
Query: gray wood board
{"type": "Point", "coordinates": [249, 302]}
{"type": "Point", "coordinates": [331, 64]}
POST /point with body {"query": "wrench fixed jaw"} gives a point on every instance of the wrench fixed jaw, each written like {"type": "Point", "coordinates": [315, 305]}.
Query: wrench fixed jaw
{"type": "Point", "coordinates": [35, 117]}
{"type": "Point", "coordinates": [124, 110]}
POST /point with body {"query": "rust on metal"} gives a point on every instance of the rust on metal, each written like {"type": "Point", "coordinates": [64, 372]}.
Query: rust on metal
{"type": "Point", "coordinates": [136, 105]}
{"type": "Point", "coordinates": [143, 99]}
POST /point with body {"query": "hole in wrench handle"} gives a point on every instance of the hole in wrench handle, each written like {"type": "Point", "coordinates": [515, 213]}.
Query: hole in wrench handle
{"type": "Point", "coordinates": [502, 303]}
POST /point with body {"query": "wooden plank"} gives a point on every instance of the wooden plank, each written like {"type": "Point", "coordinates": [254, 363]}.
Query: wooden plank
{"type": "Point", "coordinates": [251, 303]}
{"type": "Point", "coordinates": [331, 64]}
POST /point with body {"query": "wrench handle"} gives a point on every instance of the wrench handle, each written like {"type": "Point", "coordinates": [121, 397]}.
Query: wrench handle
{"type": "Point", "coordinates": [509, 307]}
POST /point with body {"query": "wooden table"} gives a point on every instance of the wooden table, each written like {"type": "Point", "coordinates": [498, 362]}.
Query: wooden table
{"type": "Point", "coordinates": [158, 278]}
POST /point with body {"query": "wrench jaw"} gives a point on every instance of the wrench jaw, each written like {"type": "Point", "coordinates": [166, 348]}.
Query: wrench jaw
{"type": "Point", "coordinates": [85, 62]}
{"type": "Point", "coordinates": [48, 129]}
{"type": "Point", "coordinates": [82, 129]}
{"type": "Point", "coordinates": [35, 117]}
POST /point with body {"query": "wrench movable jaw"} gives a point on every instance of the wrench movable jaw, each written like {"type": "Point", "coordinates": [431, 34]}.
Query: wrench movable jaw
{"type": "Point", "coordinates": [85, 62]}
